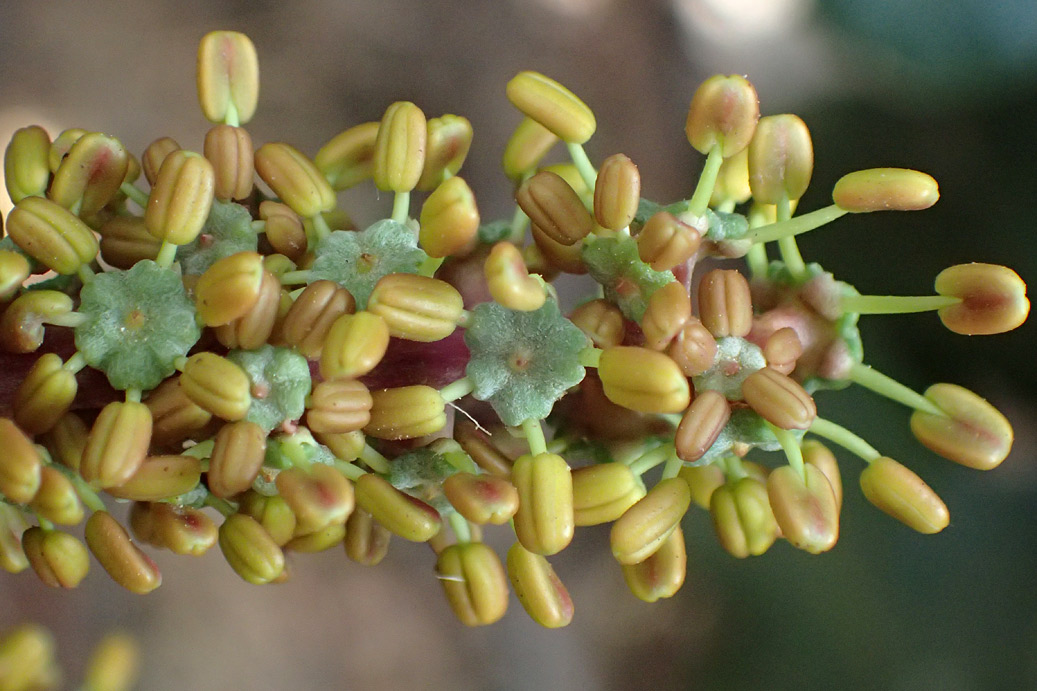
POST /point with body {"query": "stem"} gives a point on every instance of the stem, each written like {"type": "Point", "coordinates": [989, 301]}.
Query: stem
{"type": "Point", "coordinates": [69, 319]}
{"type": "Point", "coordinates": [349, 470]}
{"type": "Point", "coordinates": [289, 278]}
{"type": "Point", "coordinates": [518, 224]}
{"type": "Point", "coordinates": [258, 227]}
{"type": "Point", "coordinates": [787, 245]}
{"type": "Point", "coordinates": [135, 194]}
{"type": "Point", "coordinates": [672, 467]}
{"type": "Point", "coordinates": [534, 436]}
{"type": "Point", "coordinates": [374, 460]}
{"type": "Point", "coordinates": [320, 227]}
{"type": "Point", "coordinates": [590, 356]}
{"type": "Point", "coordinates": [795, 226]}
{"type": "Point", "coordinates": [896, 304]}
{"type": "Point", "coordinates": [166, 255]}
{"type": "Point", "coordinates": [756, 258]}
{"type": "Point", "coordinates": [231, 116]}
{"type": "Point", "coordinates": [75, 363]}
{"type": "Point", "coordinates": [86, 493]}
{"type": "Point", "coordinates": [46, 524]}
{"type": "Point", "coordinates": [85, 273]}
{"type": "Point", "coordinates": [401, 207]}
{"type": "Point", "coordinates": [201, 449]}
{"type": "Point", "coordinates": [733, 468]}
{"type": "Point", "coordinates": [222, 505]}
{"type": "Point", "coordinates": [844, 438]}
{"type": "Point", "coordinates": [884, 385]}
{"type": "Point", "coordinates": [457, 389]}
{"type": "Point", "coordinates": [460, 527]}
{"type": "Point", "coordinates": [430, 266]}
{"type": "Point", "coordinates": [790, 445]}
{"type": "Point", "coordinates": [651, 459]}
{"type": "Point", "coordinates": [707, 181]}
{"type": "Point", "coordinates": [133, 395]}
{"type": "Point", "coordinates": [583, 164]}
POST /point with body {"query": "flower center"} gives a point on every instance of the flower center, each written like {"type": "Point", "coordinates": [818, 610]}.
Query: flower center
{"type": "Point", "coordinates": [520, 359]}
{"type": "Point", "coordinates": [135, 319]}
{"type": "Point", "coordinates": [365, 263]}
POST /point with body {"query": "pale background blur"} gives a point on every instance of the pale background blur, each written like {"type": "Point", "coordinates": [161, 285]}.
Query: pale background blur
{"type": "Point", "coordinates": [948, 88]}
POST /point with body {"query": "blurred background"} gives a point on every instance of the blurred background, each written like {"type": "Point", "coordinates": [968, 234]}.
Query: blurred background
{"type": "Point", "coordinates": [946, 87]}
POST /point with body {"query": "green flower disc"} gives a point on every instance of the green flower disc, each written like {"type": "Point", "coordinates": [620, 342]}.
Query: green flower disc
{"type": "Point", "coordinates": [138, 323]}
{"type": "Point", "coordinates": [420, 473]}
{"type": "Point", "coordinates": [522, 362]}
{"type": "Point", "coordinates": [628, 282]}
{"type": "Point", "coordinates": [227, 231]}
{"type": "Point", "coordinates": [280, 383]}
{"type": "Point", "coordinates": [358, 260]}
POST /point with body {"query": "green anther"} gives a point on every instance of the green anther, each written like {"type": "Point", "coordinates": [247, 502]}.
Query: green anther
{"type": "Point", "coordinates": [844, 438]}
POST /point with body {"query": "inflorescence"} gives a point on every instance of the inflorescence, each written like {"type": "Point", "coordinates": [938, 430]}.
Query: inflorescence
{"type": "Point", "coordinates": [317, 384]}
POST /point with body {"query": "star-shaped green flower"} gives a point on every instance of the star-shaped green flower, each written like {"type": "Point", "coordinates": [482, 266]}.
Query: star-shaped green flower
{"type": "Point", "coordinates": [227, 231]}
{"type": "Point", "coordinates": [280, 383]}
{"type": "Point", "coordinates": [357, 260]}
{"type": "Point", "coordinates": [138, 323]}
{"type": "Point", "coordinates": [628, 282]}
{"type": "Point", "coordinates": [522, 362]}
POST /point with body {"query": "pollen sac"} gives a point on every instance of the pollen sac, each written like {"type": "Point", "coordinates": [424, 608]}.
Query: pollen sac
{"type": "Point", "coordinates": [250, 550]}
{"type": "Point", "coordinates": [779, 399]}
{"type": "Point", "coordinates": [59, 559]}
{"type": "Point", "coordinates": [449, 219]}
{"type": "Point", "coordinates": [160, 477]}
{"type": "Point", "coordinates": [665, 242]}
{"type": "Point", "coordinates": [545, 520]}
{"type": "Point", "coordinates": [125, 562]}
{"type": "Point", "coordinates": [51, 234]}
{"type": "Point", "coordinates": [540, 592]}
{"type": "Point", "coordinates": [399, 149]}
{"type": "Point", "coordinates": [482, 498]}
{"type": "Point", "coordinates": [701, 424]}
{"type": "Point", "coordinates": [406, 412]}
{"type": "Point", "coordinates": [555, 208]}
{"type": "Point", "coordinates": [44, 395]}
{"type": "Point", "coordinates": [319, 497]}
{"type": "Point", "coordinates": [885, 189]}
{"type": "Point", "coordinates": [781, 159]}
{"type": "Point", "coordinates": [400, 514]}
{"type": "Point", "coordinates": [617, 192]}
{"type": "Point", "coordinates": [725, 303]}
{"type": "Point", "coordinates": [807, 511]}
{"type": "Point", "coordinates": [896, 490]}
{"type": "Point", "coordinates": [284, 229]}
{"type": "Point", "coordinates": [56, 500]}
{"type": "Point", "coordinates": [474, 583]}
{"type": "Point", "coordinates": [993, 299]}
{"type": "Point", "coordinates": [354, 346]}
{"type": "Point", "coordinates": [509, 282]}
{"type": "Point", "coordinates": [217, 385]}
{"type": "Point", "coordinates": [21, 465]}
{"type": "Point", "coordinates": [229, 288]}
{"type": "Point", "coordinates": [742, 517]}
{"type": "Point", "coordinates": [971, 432]}
{"type": "Point", "coordinates": [366, 541]}
{"type": "Point", "coordinates": [662, 574]}
{"type": "Point", "coordinates": [669, 309]}
{"type": "Point", "coordinates": [14, 269]}
{"type": "Point", "coordinates": [229, 150]}
{"type": "Point", "coordinates": [723, 113]}
{"type": "Point", "coordinates": [125, 240]}
{"type": "Point", "coordinates": [26, 168]}
{"type": "Point", "coordinates": [603, 492]}
{"type": "Point", "coordinates": [155, 155]}
{"type": "Point", "coordinates": [643, 380]}
{"type": "Point", "coordinates": [528, 145]}
{"type": "Point", "coordinates": [641, 531]}
{"type": "Point", "coordinates": [117, 445]}
{"type": "Point", "coordinates": [348, 159]}
{"type": "Point", "coordinates": [228, 77]}
{"type": "Point", "coordinates": [294, 178]}
{"type": "Point", "coordinates": [553, 106]}
{"type": "Point", "coordinates": [181, 199]}
{"type": "Point", "coordinates": [448, 139]}
{"type": "Point", "coordinates": [90, 175]}
{"type": "Point", "coordinates": [338, 406]}
{"type": "Point", "coordinates": [21, 325]}
{"type": "Point", "coordinates": [309, 320]}
{"type": "Point", "coordinates": [416, 308]}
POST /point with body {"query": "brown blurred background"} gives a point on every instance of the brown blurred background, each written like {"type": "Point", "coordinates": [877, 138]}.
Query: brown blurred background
{"type": "Point", "coordinates": [948, 88]}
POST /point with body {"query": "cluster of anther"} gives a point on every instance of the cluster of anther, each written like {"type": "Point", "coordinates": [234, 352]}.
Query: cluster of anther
{"type": "Point", "coordinates": [243, 351]}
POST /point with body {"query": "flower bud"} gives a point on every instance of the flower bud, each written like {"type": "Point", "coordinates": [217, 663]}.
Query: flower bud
{"type": "Point", "coordinates": [509, 282]}
{"type": "Point", "coordinates": [601, 322]}
{"type": "Point", "coordinates": [125, 562]}
{"type": "Point", "coordinates": [229, 150]}
{"type": "Point", "coordinates": [544, 522]}
{"type": "Point", "coordinates": [643, 380]}
{"type": "Point", "coordinates": [885, 189]}
{"type": "Point", "coordinates": [641, 531]}
{"type": "Point", "coordinates": [448, 139]}
{"type": "Point", "coordinates": [449, 219]}
{"type": "Point", "coordinates": [552, 105]}
{"type": "Point", "coordinates": [742, 517]}
{"type": "Point", "coordinates": [724, 111]}
{"type": "Point", "coordinates": [779, 399]}
{"type": "Point", "coordinates": [337, 406]}
{"type": "Point", "coordinates": [319, 540]}
{"type": "Point", "coordinates": [399, 513]}
{"type": "Point", "coordinates": [318, 497]}
{"type": "Point", "coordinates": [250, 550]}
{"type": "Point", "coordinates": [554, 207]}
{"type": "Point", "coordinates": [482, 499]}
{"type": "Point", "coordinates": [701, 424]}
{"type": "Point", "coordinates": [66, 440]}
{"type": "Point", "coordinates": [160, 477]}
{"type": "Point", "coordinates": [725, 305]}
{"type": "Point", "coordinates": [294, 179]}
{"type": "Point", "coordinates": [21, 325]}
{"type": "Point", "coordinates": [228, 77]}
{"type": "Point", "coordinates": [59, 559]}
{"type": "Point", "coordinates": [90, 175]}
{"type": "Point", "coordinates": [903, 495]}
{"type": "Point", "coordinates": [666, 242]}
{"type": "Point", "coordinates": [51, 234]}
{"type": "Point", "coordinates": [229, 288]}
{"type": "Point", "coordinates": [781, 159]}
{"type": "Point", "coordinates": [44, 395]}
{"type": "Point", "coordinates": [20, 464]}
{"type": "Point", "coordinates": [993, 299]}
{"type": "Point", "coordinates": [972, 432]}
{"type": "Point", "coordinates": [477, 444]}
{"type": "Point", "coordinates": [662, 574]}
{"type": "Point", "coordinates": [217, 385]}
{"type": "Point", "coordinates": [284, 229]}
{"type": "Point", "coordinates": [354, 346]}
{"type": "Point", "coordinates": [114, 664]}
{"type": "Point", "coordinates": [367, 540]}
{"type": "Point", "coordinates": [348, 159]}
{"type": "Point", "coordinates": [806, 511]}
{"type": "Point", "coordinates": [474, 583]}
{"type": "Point", "coordinates": [272, 513]}
{"type": "Point", "coordinates": [693, 349]}
{"type": "Point", "coordinates": [117, 444]}
{"type": "Point", "coordinates": [181, 198]}
{"type": "Point", "coordinates": [345, 445]}
{"type": "Point", "coordinates": [669, 309]}
{"type": "Point", "coordinates": [617, 192]}
{"type": "Point", "coordinates": [14, 269]}
{"type": "Point", "coordinates": [406, 412]}
{"type": "Point", "coordinates": [702, 481]}
{"type": "Point", "coordinates": [818, 455]}
{"type": "Point", "coordinates": [399, 149]}
{"type": "Point", "coordinates": [174, 416]}
{"type": "Point", "coordinates": [125, 240]}
{"type": "Point", "coordinates": [26, 170]}
{"type": "Point", "coordinates": [603, 492]}
{"type": "Point", "coordinates": [416, 308]}
{"type": "Point", "coordinates": [540, 592]}
{"type": "Point", "coordinates": [57, 500]}
{"type": "Point", "coordinates": [182, 529]}
{"type": "Point", "coordinates": [27, 659]}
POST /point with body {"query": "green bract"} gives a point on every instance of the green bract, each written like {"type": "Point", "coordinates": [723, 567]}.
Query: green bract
{"type": "Point", "coordinates": [280, 383]}
{"type": "Point", "coordinates": [522, 362]}
{"type": "Point", "coordinates": [138, 323]}
{"type": "Point", "coordinates": [628, 281]}
{"type": "Point", "coordinates": [357, 260]}
{"type": "Point", "coordinates": [227, 231]}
